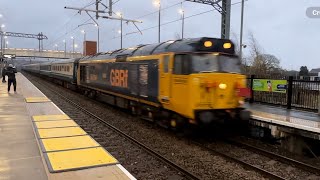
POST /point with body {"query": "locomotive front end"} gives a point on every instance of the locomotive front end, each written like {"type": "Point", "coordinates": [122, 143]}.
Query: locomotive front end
{"type": "Point", "coordinates": [218, 89]}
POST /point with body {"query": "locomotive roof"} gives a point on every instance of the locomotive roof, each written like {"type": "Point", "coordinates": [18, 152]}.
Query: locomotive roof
{"type": "Point", "coordinates": [181, 45]}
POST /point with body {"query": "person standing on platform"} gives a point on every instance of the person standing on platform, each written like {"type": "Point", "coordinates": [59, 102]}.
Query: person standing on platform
{"type": "Point", "coordinates": [4, 74]}
{"type": "Point", "coordinates": [11, 73]}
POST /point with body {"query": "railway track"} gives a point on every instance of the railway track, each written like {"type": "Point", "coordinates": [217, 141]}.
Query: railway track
{"type": "Point", "coordinates": [178, 168]}
{"type": "Point", "coordinates": [146, 148]}
{"type": "Point", "coordinates": [278, 157]}
{"type": "Point", "coordinates": [238, 161]}
{"type": "Point", "coordinates": [167, 160]}
{"type": "Point", "coordinates": [230, 153]}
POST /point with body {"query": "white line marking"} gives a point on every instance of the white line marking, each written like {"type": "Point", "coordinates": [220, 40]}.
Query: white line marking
{"type": "Point", "coordinates": [58, 108]}
{"type": "Point", "coordinates": [297, 126]}
{"type": "Point", "coordinates": [126, 172]}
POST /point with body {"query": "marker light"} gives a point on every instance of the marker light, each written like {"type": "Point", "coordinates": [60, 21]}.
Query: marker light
{"type": "Point", "coordinates": [222, 86]}
{"type": "Point", "coordinates": [227, 45]}
{"type": "Point", "coordinates": [207, 44]}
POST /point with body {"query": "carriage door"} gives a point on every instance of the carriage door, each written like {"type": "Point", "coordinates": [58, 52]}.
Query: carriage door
{"type": "Point", "coordinates": [138, 79]}
{"type": "Point", "coordinates": [165, 79]}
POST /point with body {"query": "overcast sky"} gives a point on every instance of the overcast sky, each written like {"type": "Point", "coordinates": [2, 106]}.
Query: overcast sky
{"type": "Point", "coordinates": [281, 27]}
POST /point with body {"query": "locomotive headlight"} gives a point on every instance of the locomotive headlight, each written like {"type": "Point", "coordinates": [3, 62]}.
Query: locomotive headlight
{"type": "Point", "coordinates": [222, 86]}
{"type": "Point", "coordinates": [227, 45]}
{"type": "Point", "coordinates": [207, 44]}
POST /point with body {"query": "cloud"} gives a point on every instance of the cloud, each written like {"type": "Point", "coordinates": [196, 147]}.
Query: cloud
{"type": "Point", "coordinates": [281, 27]}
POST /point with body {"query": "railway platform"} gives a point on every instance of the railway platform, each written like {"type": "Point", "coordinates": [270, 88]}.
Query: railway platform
{"type": "Point", "coordinates": [39, 141]}
{"type": "Point", "coordinates": [303, 122]}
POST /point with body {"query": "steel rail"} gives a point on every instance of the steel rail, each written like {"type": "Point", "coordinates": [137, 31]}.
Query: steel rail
{"type": "Point", "coordinates": [238, 161]}
{"type": "Point", "coordinates": [273, 155]}
{"type": "Point", "coordinates": [149, 150]}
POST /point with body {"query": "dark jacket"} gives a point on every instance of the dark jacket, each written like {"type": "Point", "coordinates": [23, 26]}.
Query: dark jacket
{"type": "Point", "coordinates": [11, 73]}
{"type": "Point", "coordinates": [4, 71]}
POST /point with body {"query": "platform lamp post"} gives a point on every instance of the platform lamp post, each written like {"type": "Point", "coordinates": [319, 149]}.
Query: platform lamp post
{"type": "Point", "coordinates": [96, 25]}
{"type": "Point", "coordinates": [56, 47]}
{"type": "Point", "coordinates": [241, 30]}
{"type": "Point", "coordinates": [120, 31]}
{"type": "Point", "coordinates": [72, 46]}
{"type": "Point", "coordinates": [75, 47]}
{"type": "Point", "coordinates": [4, 41]}
{"type": "Point", "coordinates": [181, 11]}
{"type": "Point", "coordinates": [1, 40]}
{"type": "Point", "coordinates": [84, 35]}
{"type": "Point", "coordinates": [157, 3]}
{"type": "Point", "coordinates": [7, 42]}
{"type": "Point", "coordinates": [65, 48]}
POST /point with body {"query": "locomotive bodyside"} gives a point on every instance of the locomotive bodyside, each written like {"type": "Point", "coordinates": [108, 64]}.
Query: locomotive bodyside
{"type": "Point", "coordinates": [135, 80]}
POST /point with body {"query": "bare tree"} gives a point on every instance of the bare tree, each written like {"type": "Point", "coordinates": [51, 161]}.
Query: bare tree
{"type": "Point", "coordinates": [261, 63]}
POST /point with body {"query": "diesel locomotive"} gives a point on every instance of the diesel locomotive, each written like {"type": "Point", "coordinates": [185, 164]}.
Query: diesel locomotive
{"type": "Point", "coordinates": [175, 83]}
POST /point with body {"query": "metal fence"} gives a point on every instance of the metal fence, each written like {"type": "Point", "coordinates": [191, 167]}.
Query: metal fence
{"type": "Point", "coordinates": [302, 94]}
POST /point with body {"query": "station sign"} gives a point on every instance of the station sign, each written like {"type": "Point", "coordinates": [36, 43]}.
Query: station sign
{"type": "Point", "coordinates": [270, 85]}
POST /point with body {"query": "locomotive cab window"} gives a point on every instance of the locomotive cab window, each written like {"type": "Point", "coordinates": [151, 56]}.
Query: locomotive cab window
{"type": "Point", "coordinates": [209, 62]}
{"type": "Point", "coordinates": [181, 64]}
{"type": "Point", "coordinates": [166, 64]}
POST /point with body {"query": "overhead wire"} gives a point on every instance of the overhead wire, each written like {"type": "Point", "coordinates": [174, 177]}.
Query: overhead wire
{"type": "Point", "coordinates": [65, 24]}
{"type": "Point", "coordinates": [130, 33]}
{"type": "Point", "coordinates": [91, 3]}
{"type": "Point", "coordinates": [170, 22]}
{"type": "Point", "coordinates": [162, 9]}
{"type": "Point", "coordinates": [71, 31]}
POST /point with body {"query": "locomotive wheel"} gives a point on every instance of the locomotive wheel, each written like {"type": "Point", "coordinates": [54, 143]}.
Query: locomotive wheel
{"type": "Point", "coordinates": [92, 94]}
{"type": "Point", "coordinates": [177, 122]}
{"type": "Point", "coordinates": [133, 110]}
{"type": "Point", "coordinates": [86, 92]}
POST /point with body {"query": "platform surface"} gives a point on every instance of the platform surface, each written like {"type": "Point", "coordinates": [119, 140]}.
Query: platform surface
{"type": "Point", "coordinates": [20, 157]}
{"type": "Point", "coordinates": [303, 120]}
{"type": "Point", "coordinates": [34, 131]}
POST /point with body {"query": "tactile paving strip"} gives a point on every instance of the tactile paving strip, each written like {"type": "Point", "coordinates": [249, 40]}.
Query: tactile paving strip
{"type": "Point", "coordinates": [79, 159]}
{"type": "Point", "coordinates": [51, 117]}
{"type": "Point", "coordinates": [67, 143]}
{"type": "Point", "coordinates": [55, 124]}
{"type": "Point", "coordinates": [68, 148]}
{"type": "Point", "coordinates": [60, 132]}
{"type": "Point", "coordinates": [37, 99]}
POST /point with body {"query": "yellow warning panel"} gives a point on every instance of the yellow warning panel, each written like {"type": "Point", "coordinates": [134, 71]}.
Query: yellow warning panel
{"type": "Point", "coordinates": [61, 132]}
{"type": "Point", "coordinates": [67, 143]}
{"type": "Point", "coordinates": [37, 99]}
{"type": "Point", "coordinates": [51, 117]}
{"type": "Point", "coordinates": [55, 124]}
{"type": "Point", "coordinates": [81, 158]}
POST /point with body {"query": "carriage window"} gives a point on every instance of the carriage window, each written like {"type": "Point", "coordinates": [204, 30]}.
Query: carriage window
{"type": "Point", "coordinates": [166, 64]}
{"type": "Point", "coordinates": [177, 69]}
{"type": "Point", "coordinates": [181, 64]}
